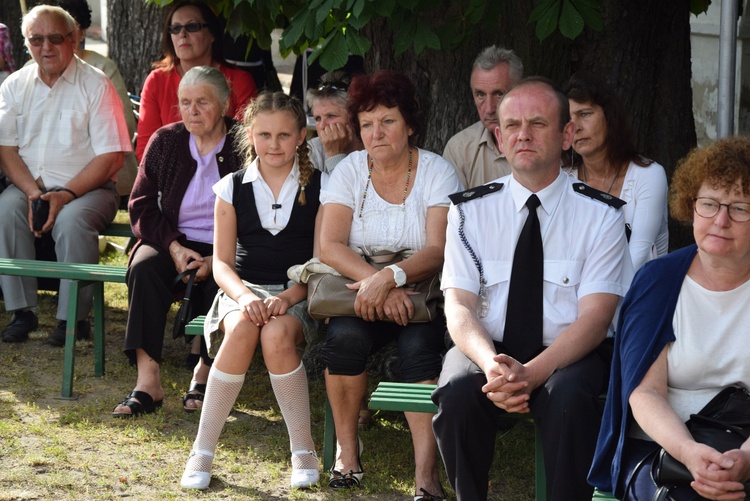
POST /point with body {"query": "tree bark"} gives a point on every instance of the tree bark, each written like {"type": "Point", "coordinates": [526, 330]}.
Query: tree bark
{"type": "Point", "coordinates": [643, 51]}
{"type": "Point", "coordinates": [134, 39]}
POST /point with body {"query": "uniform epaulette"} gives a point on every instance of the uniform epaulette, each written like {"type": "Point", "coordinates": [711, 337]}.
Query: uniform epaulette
{"type": "Point", "coordinates": [476, 192]}
{"type": "Point", "coordinates": [611, 200]}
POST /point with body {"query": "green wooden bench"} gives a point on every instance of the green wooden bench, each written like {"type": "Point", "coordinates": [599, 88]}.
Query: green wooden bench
{"type": "Point", "coordinates": [120, 230]}
{"type": "Point", "coordinates": [195, 326]}
{"type": "Point", "coordinates": [80, 275]}
{"type": "Point", "coordinates": [410, 397]}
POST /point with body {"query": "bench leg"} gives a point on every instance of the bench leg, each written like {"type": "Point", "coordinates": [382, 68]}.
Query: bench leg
{"type": "Point", "coordinates": [540, 479]}
{"type": "Point", "coordinates": [329, 439]}
{"type": "Point", "coordinates": [70, 341]}
{"type": "Point", "coordinates": [98, 329]}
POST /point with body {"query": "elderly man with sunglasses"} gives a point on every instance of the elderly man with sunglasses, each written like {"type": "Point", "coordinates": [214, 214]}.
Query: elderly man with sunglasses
{"type": "Point", "coordinates": [62, 140]}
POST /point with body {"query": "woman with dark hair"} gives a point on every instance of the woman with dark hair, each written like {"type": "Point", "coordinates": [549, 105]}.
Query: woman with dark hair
{"type": "Point", "coordinates": [603, 156]}
{"type": "Point", "coordinates": [191, 37]}
{"type": "Point", "coordinates": [682, 338]}
{"type": "Point", "coordinates": [391, 196]}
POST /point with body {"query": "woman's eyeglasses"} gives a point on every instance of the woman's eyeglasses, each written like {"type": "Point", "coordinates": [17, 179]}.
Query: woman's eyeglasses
{"type": "Point", "coordinates": [54, 39]}
{"type": "Point", "coordinates": [175, 29]}
{"type": "Point", "coordinates": [739, 212]}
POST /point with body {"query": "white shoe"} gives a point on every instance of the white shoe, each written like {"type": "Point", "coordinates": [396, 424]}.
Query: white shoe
{"type": "Point", "coordinates": [196, 479]}
{"type": "Point", "coordinates": [304, 478]}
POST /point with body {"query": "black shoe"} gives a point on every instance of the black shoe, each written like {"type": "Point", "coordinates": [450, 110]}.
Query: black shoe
{"type": "Point", "coordinates": [57, 338]}
{"type": "Point", "coordinates": [19, 327]}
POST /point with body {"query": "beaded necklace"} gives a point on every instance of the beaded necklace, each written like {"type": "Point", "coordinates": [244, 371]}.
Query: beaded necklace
{"type": "Point", "coordinates": [369, 178]}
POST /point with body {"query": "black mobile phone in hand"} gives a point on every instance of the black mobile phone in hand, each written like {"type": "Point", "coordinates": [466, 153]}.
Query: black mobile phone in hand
{"type": "Point", "coordinates": [39, 213]}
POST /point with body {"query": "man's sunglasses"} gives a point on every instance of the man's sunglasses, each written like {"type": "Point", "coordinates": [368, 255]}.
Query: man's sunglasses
{"type": "Point", "coordinates": [54, 39]}
{"type": "Point", "coordinates": [175, 29]}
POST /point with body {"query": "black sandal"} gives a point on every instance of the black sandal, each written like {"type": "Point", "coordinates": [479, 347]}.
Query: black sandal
{"type": "Point", "coordinates": [139, 402]}
{"type": "Point", "coordinates": [198, 397]}
{"type": "Point", "coordinates": [346, 480]}
{"type": "Point", "coordinates": [426, 496]}
{"type": "Point", "coordinates": [351, 478]}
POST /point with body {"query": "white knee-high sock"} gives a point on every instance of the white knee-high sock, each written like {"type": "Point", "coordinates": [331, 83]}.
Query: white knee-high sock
{"type": "Point", "coordinates": [221, 393]}
{"type": "Point", "coordinates": [292, 394]}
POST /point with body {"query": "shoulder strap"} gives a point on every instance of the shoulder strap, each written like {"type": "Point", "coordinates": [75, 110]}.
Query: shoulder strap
{"type": "Point", "coordinates": [475, 193]}
{"type": "Point", "coordinates": [611, 200]}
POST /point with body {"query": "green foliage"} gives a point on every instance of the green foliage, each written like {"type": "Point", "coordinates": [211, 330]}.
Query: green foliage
{"type": "Point", "coordinates": [334, 28]}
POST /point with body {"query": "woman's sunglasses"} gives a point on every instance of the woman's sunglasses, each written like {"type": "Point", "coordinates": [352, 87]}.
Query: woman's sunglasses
{"type": "Point", "coordinates": [175, 29]}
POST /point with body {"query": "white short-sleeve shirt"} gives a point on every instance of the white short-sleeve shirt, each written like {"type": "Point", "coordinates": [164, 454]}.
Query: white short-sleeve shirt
{"type": "Point", "coordinates": [383, 224]}
{"type": "Point", "coordinates": [58, 130]}
{"type": "Point", "coordinates": [585, 250]}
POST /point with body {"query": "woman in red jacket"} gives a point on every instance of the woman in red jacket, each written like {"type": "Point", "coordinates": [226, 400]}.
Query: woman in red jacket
{"type": "Point", "coordinates": [191, 37]}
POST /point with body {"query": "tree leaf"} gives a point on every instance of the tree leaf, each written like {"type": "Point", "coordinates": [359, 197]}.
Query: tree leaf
{"type": "Point", "coordinates": [699, 6]}
{"type": "Point", "coordinates": [571, 21]}
{"type": "Point", "coordinates": [293, 32]}
{"type": "Point", "coordinates": [591, 13]}
{"type": "Point", "coordinates": [541, 9]}
{"type": "Point", "coordinates": [359, 6]}
{"type": "Point", "coordinates": [335, 54]}
{"type": "Point", "coordinates": [383, 7]}
{"type": "Point", "coordinates": [547, 19]}
{"type": "Point", "coordinates": [357, 43]}
{"type": "Point", "coordinates": [323, 11]}
{"type": "Point", "coordinates": [404, 34]}
{"type": "Point", "coordinates": [425, 37]}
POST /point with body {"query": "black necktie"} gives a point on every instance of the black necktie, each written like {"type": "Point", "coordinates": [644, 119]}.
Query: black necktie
{"type": "Point", "coordinates": [524, 318]}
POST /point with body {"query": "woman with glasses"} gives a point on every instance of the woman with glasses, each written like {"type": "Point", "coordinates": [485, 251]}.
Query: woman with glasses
{"type": "Point", "coordinates": [191, 37]}
{"type": "Point", "coordinates": [336, 137]}
{"type": "Point", "coordinates": [682, 336]}
{"type": "Point", "coordinates": [603, 156]}
{"type": "Point", "coordinates": [390, 196]}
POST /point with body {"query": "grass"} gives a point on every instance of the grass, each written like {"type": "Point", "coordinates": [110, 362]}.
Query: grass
{"type": "Point", "coordinates": [70, 450]}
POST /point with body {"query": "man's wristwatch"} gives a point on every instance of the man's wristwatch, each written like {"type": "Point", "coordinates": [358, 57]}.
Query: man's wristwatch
{"type": "Point", "coordinates": [398, 275]}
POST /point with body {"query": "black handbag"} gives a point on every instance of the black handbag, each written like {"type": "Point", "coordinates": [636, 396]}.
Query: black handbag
{"type": "Point", "coordinates": [724, 424]}
{"type": "Point", "coordinates": [185, 313]}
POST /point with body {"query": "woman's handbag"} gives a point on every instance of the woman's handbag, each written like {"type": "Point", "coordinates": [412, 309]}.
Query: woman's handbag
{"type": "Point", "coordinates": [328, 296]}
{"type": "Point", "coordinates": [724, 424]}
{"type": "Point", "coordinates": [185, 313]}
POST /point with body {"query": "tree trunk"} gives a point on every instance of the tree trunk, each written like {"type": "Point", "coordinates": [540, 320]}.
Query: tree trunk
{"type": "Point", "coordinates": [643, 51]}
{"type": "Point", "coordinates": [134, 39]}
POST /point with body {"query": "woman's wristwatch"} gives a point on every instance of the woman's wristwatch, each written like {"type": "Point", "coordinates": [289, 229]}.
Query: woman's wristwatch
{"type": "Point", "coordinates": [398, 275]}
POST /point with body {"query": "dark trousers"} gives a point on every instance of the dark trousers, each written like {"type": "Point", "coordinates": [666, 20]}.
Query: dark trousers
{"type": "Point", "coordinates": [150, 275]}
{"type": "Point", "coordinates": [566, 409]}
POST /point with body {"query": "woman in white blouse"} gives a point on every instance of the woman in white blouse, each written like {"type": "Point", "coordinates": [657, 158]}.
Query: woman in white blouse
{"type": "Point", "coordinates": [393, 196]}
{"type": "Point", "coordinates": [604, 157]}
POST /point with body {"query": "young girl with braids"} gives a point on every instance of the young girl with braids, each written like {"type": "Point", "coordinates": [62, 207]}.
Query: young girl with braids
{"type": "Point", "coordinates": [264, 223]}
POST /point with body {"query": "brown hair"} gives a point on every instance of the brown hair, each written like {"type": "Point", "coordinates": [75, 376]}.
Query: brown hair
{"type": "Point", "coordinates": [278, 101]}
{"type": "Point", "coordinates": [720, 166]}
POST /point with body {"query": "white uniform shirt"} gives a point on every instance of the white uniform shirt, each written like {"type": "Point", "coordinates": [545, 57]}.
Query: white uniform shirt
{"type": "Point", "coordinates": [273, 220]}
{"type": "Point", "coordinates": [383, 224]}
{"type": "Point", "coordinates": [59, 130]}
{"type": "Point", "coordinates": [585, 251]}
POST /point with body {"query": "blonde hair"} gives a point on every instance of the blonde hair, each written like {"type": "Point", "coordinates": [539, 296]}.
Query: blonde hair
{"type": "Point", "coordinates": [278, 101]}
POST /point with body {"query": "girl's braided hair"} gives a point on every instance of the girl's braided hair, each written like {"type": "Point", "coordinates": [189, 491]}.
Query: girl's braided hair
{"type": "Point", "coordinates": [278, 101]}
